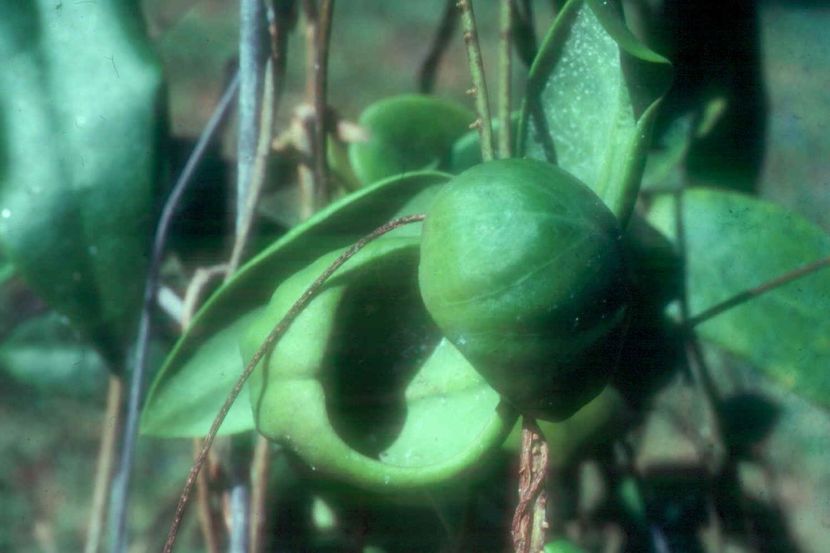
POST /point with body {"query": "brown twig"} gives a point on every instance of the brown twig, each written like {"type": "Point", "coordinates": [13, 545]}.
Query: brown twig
{"type": "Point", "coordinates": [105, 463]}
{"type": "Point", "coordinates": [318, 37]}
{"type": "Point", "coordinates": [208, 517]}
{"type": "Point", "coordinates": [440, 42]}
{"type": "Point", "coordinates": [260, 469]}
{"type": "Point", "coordinates": [264, 349]}
{"type": "Point", "coordinates": [529, 526]}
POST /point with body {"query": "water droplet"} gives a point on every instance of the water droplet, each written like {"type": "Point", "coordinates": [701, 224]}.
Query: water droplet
{"type": "Point", "coordinates": [386, 479]}
{"type": "Point", "coordinates": [6, 213]}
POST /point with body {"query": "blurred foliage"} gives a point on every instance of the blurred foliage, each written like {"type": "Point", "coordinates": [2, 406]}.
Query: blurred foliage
{"type": "Point", "coordinates": [766, 64]}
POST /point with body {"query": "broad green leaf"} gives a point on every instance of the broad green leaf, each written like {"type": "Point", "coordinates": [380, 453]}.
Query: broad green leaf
{"type": "Point", "coordinates": [79, 130]}
{"type": "Point", "coordinates": [734, 242]}
{"type": "Point", "coordinates": [207, 376]}
{"type": "Point", "coordinates": [562, 546]}
{"type": "Point", "coordinates": [407, 133]}
{"type": "Point", "coordinates": [386, 403]}
{"type": "Point", "coordinates": [592, 96]}
{"type": "Point", "coordinates": [186, 404]}
{"type": "Point", "coordinates": [46, 354]}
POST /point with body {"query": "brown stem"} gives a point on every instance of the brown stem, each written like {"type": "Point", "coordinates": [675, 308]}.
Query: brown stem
{"type": "Point", "coordinates": [529, 526]}
{"type": "Point", "coordinates": [260, 467]}
{"type": "Point", "coordinates": [267, 346]}
{"type": "Point", "coordinates": [318, 37]}
{"type": "Point", "coordinates": [207, 515]}
{"type": "Point", "coordinates": [440, 43]}
{"type": "Point", "coordinates": [105, 463]}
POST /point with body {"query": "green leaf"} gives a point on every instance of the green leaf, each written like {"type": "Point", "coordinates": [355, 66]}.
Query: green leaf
{"type": "Point", "coordinates": [45, 354]}
{"type": "Point", "coordinates": [79, 131]}
{"type": "Point", "coordinates": [407, 133]}
{"type": "Point", "coordinates": [208, 377]}
{"type": "Point", "coordinates": [734, 242]}
{"type": "Point", "coordinates": [592, 95]}
{"type": "Point", "coordinates": [562, 546]}
{"type": "Point", "coordinates": [386, 404]}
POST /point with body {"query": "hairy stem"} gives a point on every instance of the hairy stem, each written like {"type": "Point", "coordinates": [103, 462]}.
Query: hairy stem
{"type": "Point", "coordinates": [267, 346]}
{"type": "Point", "coordinates": [479, 90]}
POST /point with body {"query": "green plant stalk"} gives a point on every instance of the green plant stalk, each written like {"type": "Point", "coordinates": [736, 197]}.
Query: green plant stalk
{"type": "Point", "coordinates": [505, 66]}
{"type": "Point", "coordinates": [479, 90]}
{"type": "Point", "coordinates": [267, 346]}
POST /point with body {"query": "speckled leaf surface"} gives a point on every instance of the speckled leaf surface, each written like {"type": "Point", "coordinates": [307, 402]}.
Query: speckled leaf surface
{"type": "Point", "coordinates": [591, 99]}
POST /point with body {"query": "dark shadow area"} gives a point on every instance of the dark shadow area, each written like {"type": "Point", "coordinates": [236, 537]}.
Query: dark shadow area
{"type": "Point", "coordinates": [382, 335]}
{"type": "Point", "coordinates": [716, 52]}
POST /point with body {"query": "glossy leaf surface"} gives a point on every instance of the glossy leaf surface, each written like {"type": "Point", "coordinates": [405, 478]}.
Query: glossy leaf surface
{"type": "Point", "coordinates": [734, 242]}
{"type": "Point", "coordinates": [362, 386]}
{"type": "Point", "coordinates": [407, 133]}
{"type": "Point", "coordinates": [216, 326]}
{"type": "Point", "coordinates": [521, 267]}
{"type": "Point", "coordinates": [591, 100]}
{"type": "Point", "coordinates": [79, 131]}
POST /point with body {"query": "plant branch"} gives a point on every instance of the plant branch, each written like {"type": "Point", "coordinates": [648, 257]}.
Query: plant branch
{"type": "Point", "coordinates": [281, 16]}
{"type": "Point", "coordinates": [250, 75]}
{"type": "Point", "coordinates": [121, 481]}
{"type": "Point", "coordinates": [440, 42]}
{"type": "Point", "coordinates": [505, 74]}
{"type": "Point", "coordinates": [105, 463]}
{"type": "Point", "coordinates": [267, 346]}
{"type": "Point", "coordinates": [260, 469]}
{"type": "Point", "coordinates": [756, 291]}
{"type": "Point", "coordinates": [479, 90]}
{"type": "Point", "coordinates": [256, 171]}
{"type": "Point", "coordinates": [530, 525]}
{"type": "Point", "coordinates": [321, 62]}
{"type": "Point", "coordinates": [207, 517]}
